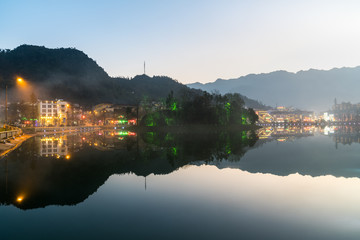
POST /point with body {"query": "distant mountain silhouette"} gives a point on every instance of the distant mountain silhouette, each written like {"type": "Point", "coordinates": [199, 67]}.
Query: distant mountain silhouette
{"type": "Point", "coordinates": [70, 74]}
{"type": "Point", "coordinates": [312, 89]}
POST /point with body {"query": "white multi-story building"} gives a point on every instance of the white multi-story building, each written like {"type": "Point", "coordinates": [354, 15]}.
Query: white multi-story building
{"type": "Point", "coordinates": [53, 113]}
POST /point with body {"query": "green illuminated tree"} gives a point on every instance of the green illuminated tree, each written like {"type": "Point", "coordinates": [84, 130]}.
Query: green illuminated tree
{"type": "Point", "coordinates": [171, 102]}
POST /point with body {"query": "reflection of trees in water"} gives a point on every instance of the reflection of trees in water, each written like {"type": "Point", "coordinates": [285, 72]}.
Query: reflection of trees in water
{"type": "Point", "coordinates": [216, 146]}
{"type": "Point", "coordinates": [40, 181]}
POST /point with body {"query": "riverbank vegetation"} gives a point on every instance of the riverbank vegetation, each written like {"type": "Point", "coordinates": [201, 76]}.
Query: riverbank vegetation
{"type": "Point", "coordinates": [208, 109]}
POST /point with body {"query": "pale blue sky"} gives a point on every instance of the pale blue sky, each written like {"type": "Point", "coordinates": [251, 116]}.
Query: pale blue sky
{"type": "Point", "coordinates": [191, 40]}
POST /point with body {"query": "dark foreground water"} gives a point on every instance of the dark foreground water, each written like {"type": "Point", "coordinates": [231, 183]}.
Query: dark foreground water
{"type": "Point", "coordinates": [273, 184]}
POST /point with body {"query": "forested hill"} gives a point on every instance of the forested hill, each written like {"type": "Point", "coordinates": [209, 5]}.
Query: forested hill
{"type": "Point", "coordinates": [70, 74]}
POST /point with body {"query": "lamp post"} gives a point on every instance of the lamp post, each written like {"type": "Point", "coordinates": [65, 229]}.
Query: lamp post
{"type": "Point", "coordinates": [20, 81]}
{"type": "Point", "coordinates": [6, 110]}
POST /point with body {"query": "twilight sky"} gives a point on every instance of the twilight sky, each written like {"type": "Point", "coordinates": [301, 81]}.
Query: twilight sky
{"type": "Point", "coordinates": [191, 40]}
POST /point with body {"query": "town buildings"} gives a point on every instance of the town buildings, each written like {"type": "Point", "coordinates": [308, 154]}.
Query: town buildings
{"type": "Point", "coordinates": [346, 111]}
{"type": "Point", "coordinates": [109, 114]}
{"type": "Point", "coordinates": [285, 115]}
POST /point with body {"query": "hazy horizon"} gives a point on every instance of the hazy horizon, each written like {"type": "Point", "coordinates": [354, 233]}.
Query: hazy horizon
{"type": "Point", "coordinates": [278, 70]}
{"type": "Point", "coordinates": [191, 41]}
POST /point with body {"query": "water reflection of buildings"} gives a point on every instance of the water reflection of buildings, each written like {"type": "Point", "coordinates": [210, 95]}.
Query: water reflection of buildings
{"type": "Point", "coordinates": [282, 133]}
{"type": "Point", "coordinates": [56, 167]}
{"type": "Point", "coordinates": [343, 134]}
{"type": "Point", "coordinates": [61, 146]}
{"type": "Point", "coordinates": [339, 134]}
{"type": "Point", "coordinates": [53, 146]}
{"type": "Point", "coordinates": [107, 140]}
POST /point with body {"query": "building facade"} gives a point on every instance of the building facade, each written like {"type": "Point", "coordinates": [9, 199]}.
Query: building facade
{"type": "Point", "coordinates": [346, 111]}
{"type": "Point", "coordinates": [285, 115]}
{"type": "Point", "coordinates": [53, 113]}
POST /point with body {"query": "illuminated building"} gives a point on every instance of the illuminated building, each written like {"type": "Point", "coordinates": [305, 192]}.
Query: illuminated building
{"type": "Point", "coordinates": [281, 108]}
{"type": "Point", "coordinates": [328, 117]}
{"type": "Point", "coordinates": [285, 115]}
{"type": "Point", "coordinates": [109, 114]}
{"type": "Point", "coordinates": [53, 113]}
{"type": "Point", "coordinates": [103, 107]}
{"type": "Point", "coordinates": [264, 116]}
{"type": "Point", "coordinates": [346, 111]}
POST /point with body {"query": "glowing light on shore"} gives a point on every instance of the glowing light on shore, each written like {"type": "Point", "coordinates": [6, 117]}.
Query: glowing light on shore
{"type": "Point", "coordinates": [20, 199]}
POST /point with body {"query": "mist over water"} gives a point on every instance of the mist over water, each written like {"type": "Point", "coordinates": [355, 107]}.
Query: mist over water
{"type": "Point", "coordinates": [274, 184]}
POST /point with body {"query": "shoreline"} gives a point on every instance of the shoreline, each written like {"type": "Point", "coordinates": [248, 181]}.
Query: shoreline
{"type": "Point", "coordinates": [6, 148]}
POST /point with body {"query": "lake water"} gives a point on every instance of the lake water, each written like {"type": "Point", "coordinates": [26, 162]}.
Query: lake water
{"type": "Point", "coordinates": [276, 183]}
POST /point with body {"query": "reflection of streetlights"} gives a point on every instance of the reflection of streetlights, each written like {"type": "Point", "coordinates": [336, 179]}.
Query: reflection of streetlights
{"type": "Point", "coordinates": [20, 199]}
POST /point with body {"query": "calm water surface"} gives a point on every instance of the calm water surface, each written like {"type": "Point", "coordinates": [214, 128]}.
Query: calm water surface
{"type": "Point", "coordinates": [272, 184]}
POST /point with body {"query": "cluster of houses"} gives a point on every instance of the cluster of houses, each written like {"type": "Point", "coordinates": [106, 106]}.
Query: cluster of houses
{"type": "Point", "coordinates": [48, 113]}
{"type": "Point", "coordinates": [285, 115]}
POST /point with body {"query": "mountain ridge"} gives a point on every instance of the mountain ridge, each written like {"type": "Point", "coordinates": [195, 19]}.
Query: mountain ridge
{"type": "Point", "coordinates": [312, 89]}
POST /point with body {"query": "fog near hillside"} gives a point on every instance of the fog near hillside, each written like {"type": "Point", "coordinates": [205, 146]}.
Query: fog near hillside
{"type": "Point", "coordinates": [310, 90]}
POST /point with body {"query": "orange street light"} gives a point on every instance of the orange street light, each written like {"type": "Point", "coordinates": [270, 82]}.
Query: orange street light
{"type": "Point", "coordinates": [21, 81]}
